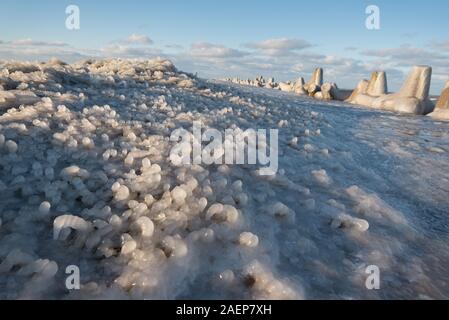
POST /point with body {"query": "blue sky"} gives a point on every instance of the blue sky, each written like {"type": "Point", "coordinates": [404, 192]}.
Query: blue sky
{"type": "Point", "coordinates": [285, 39]}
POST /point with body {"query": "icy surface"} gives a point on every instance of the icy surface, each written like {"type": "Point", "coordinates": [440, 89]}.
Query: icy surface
{"type": "Point", "coordinates": [86, 180]}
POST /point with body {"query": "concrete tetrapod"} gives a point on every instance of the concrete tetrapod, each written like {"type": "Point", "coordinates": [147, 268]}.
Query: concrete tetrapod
{"type": "Point", "coordinates": [368, 91]}
{"type": "Point", "coordinates": [441, 111]}
{"type": "Point", "coordinates": [413, 98]}
{"type": "Point", "coordinates": [316, 80]}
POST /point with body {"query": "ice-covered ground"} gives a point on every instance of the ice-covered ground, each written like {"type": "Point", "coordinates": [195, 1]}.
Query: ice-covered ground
{"type": "Point", "coordinates": [85, 180]}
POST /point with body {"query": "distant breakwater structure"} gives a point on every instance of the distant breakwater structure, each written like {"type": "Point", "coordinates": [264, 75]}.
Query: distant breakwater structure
{"type": "Point", "coordinates": [412, 98]}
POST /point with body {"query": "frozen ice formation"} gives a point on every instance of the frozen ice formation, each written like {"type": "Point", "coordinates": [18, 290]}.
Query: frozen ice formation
{"type": "Point", "coordinates": [11, 146]}
{"type": "Point", "coordinates": [257, 82]}
{"type": "Point", "coordinates": [315, 82]}
{"type": "Point", "coordinates": [222, 213]}
{"type": "Point", "coordinates": [361, 88]}
{"type": "Point", "coordinates": [285, 86]}
{"type": "Point", "coordinates": [314, 88]}
{"type": "Point", "coordinates": [44, 208]}
{"type": "Point", "coordinates": [441, 111]}
{"type": "Point", "coordinates": [264, 285]}
{"type": "Point", "coordinates": [346, 221]}
{"type": "Point", "coordinates": [145, 226]}
{"type": "Point", "coordinates": [63, 222]}
{"type": "Point", "coordinates": [378, 84]}
{"type": "Point", "coordinates": [87, 179]}
{"type": "Point", "coordinates": [330, 91]}
{"type": "Point", "coordinates": [15, 258]}
{"type": "Point", "coordinates": [413, 98]}
{"type": "Point", "coordinates": [16, 98]}
{"type": "Point", "coordinates": [414, 95]}
{"type": "Point", "coordinates": [443, 101]}
{"type": "Point", "coordinates": [367, 91]}
{"type": "Point", "coordinates": [248, 239]}
{"type": "Point", "coordinates": [321, 177]}
{"type": "Point", "coordinates": [299, 87]}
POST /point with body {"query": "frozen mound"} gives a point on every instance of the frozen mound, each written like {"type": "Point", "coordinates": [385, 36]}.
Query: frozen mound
{"type": "Point", "coordinates": [88, 179]}
{"type": "Point", "coordinates": [441, 111]}
{"type": "Point", "coordinates": [367, 91]}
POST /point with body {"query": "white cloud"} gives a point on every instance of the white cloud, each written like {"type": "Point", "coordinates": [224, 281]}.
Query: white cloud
{"type": "Point", "coordinates": [34, 43]}
{"type": "Point", "coordinates": [28, 49]}
{"type": "Point", "coordinates": [42, 54]}
{"type": "Point", "coordinates": [441, 45]}
{"type": "Point", "coordinates": [404, 52]}
{"type": "Point", "coordinates": [134, 46]}
{"type": "Point", "coordinates": [137, 39]}
{"type": "Point", "coordinates": [129, 52]}
{"type": "Point", "coordinates": [279, 47]}
{"type": "Point", "coordinates": [174, 46]}
{"type": "Point", "coordinates": [213, 51]}
{"type": "Point", "coordinates": [405, 56]}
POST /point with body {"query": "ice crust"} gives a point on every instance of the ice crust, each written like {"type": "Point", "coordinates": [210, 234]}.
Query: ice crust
{"type": "Point", "coordinates": [86, 179]}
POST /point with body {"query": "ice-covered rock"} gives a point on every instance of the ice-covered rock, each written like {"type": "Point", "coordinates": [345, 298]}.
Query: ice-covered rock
{"type": "Point", "coordinates": [44, 208]}
{"type": "Point", "coordinates": [413, 97]}
{"type": "Point", "coordinates": [248, 239]}
{"type": "Point", "coordinates": [346, 221]}
{"type": "Point", "coordinates": [281, 211]}
{"type": "Point", "coordinates": [11, 146]}
{"type": "Point", "coordinates": [264, 285]}
{"type": "Point", "coordinates": [367, 91]}
{"type": "Point", "coordinates": [298, 87]}
{"type": "Point", "coordinates": [316, 81]}
{"type": "Point", "coordinates": [15, 258]}
{"type": "Point", "coordinates": [222, 213]}
{"type": "Point", "coordinates": [121, 193]}
{"type": "Point", "coordinates": [16, 98]}
{"type": "Point", "coordinates": [71, 222]}
{"type": "Point", "coordinates": [285, 86]}
{"type": "Point", "coordinates": [174, 246]}
{"type": "Point", "coordinates": [145, 226]}
{"type": "Point", "coordinates": [321, 177]}
{"type": "Point", "coordinates": [330, 91]}
{"type": "Point", "coordinates": [361, 88]}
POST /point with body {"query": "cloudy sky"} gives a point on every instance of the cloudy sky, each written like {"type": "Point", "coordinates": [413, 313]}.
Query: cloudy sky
{"type": "Point", "coordinates": [283, 38]}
